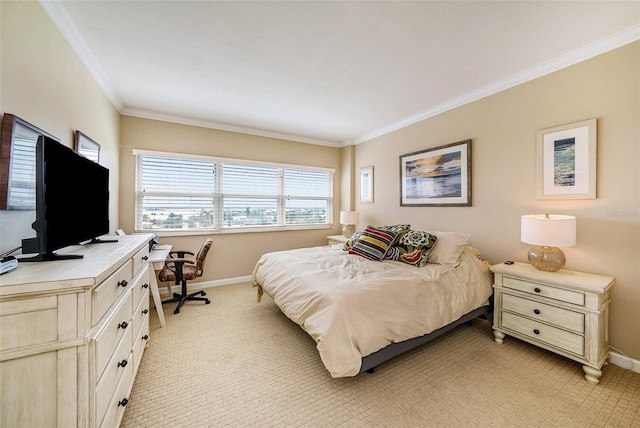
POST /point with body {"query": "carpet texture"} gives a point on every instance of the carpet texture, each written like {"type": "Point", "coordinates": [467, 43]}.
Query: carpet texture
{"type": "Point", "coordinates": [239, 363]}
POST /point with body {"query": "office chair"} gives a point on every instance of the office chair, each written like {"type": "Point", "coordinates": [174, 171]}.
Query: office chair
{"type": "Point", "coordinates": [180, 270]}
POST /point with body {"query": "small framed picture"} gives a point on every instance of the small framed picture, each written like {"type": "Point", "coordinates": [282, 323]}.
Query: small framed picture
{"type": "Point", "coordinates": [566, 161]}
{"type": "Point", "coordinates": [86, 147]}
{"type": "Point", "coordinates": [438, 177]}
{"type": "Point", "coordinates": [366, 185]}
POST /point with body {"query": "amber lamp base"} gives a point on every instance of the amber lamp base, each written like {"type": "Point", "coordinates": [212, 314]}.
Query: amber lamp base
{"type": "Point", "coordinates": [549, 259]}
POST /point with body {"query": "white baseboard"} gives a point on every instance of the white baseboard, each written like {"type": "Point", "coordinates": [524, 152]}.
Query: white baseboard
{"type": "Point", "coordinates": [624, 362]}
{"type": "Point", "coordinates": [205, 284]}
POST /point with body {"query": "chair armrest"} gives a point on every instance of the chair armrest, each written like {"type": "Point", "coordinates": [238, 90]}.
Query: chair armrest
{"type": "Point", "coordinates": [176, 260]}
{"type": "Point", "coordinates": [181, 253]}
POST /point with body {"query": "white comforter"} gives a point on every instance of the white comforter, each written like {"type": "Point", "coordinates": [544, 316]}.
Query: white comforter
{"type": "Point", "coordinates": [353, 307]}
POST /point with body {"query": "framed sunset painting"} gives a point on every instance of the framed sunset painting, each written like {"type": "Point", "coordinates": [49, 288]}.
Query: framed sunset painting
{"type": "Point", "coordinates": [439, 177]}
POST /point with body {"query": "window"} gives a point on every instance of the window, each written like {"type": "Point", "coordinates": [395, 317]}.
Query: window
{"type": "Point", "coordinates": [183, 193]}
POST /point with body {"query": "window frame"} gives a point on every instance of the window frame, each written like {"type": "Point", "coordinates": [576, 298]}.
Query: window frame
{"type": "Point", "coordinates": [219, 196]}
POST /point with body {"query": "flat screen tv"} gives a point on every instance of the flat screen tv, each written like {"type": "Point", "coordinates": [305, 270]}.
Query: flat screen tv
{"type": "Point", "coordinates": [72, 201]}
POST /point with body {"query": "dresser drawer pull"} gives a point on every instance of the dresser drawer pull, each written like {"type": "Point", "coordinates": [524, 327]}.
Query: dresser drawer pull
{"type": "Point", "coordinates": [123, 283]}
{"type": "Point", "coordinates": [123, 402]}
{"type": "Point", "coordinates": [145, 258]}
{"type": "Point", "coordinates": [536, 331]}
{"type": "Point", "coordinates": [537, 290]}
{"type": "Point", "coordinates": [145, 337]}
{"type": "Point", "coordinates": [145, 312]}
{"type": "Point", "coordinates": [536, 311]}
{"type": "Point", "coordinates": [123, 363]}
{"type": "Point", "coordinates": [145, 285]}
{"type": "Point", "coordinates": [123, 325]}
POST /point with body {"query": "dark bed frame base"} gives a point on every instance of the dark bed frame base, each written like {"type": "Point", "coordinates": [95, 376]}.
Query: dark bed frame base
{"type": "Point", "coordinates": [372, 360]}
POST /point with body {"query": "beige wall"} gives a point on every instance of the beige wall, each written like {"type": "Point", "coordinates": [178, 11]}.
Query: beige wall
{"type": "Point", "coordinates": [233, 254]}
{"type": "Point", "coordinates": [44, 82]}
{"type": "Point", "coordinates": [503, 128]}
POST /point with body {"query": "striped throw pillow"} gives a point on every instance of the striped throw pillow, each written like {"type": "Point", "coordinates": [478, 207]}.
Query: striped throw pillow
{"type": "Point", "coordinates": [373, 243]}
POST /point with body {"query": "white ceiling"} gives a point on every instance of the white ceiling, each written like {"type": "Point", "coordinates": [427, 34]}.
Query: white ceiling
{"type": "Point", "coordinates": [327, 72]}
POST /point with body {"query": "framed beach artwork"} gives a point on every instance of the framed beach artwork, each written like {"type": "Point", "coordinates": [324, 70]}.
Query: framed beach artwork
{"type": "Point", "coordinates": [566, 161]}
{"type": "Point", "coordinates": [366, 185]}
{"type": "Point", "coordinates": [86, 146]}
{"type": "Point", "coordinates": [439, 177]}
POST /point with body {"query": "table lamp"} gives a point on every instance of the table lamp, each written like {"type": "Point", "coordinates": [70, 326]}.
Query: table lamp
{"type": "Point", "coordinates": [349, 219]}
{"type": "Point", "coordinates": [547, 232]}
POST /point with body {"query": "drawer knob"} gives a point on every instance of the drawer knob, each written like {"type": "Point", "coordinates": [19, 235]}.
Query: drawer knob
{"type": "Point", "coordinates": [145, 285]}
{"type": "Point", "coordinates": [536, 311]}
{"type": "Point", "coordinates": [123, 283]}
{"type": "Point", "coordinates": [145, 312]}
{"type": "Point", "coordinates": [145, 258]}
{"type": "Point", "coordinates": [123, 363]}
{"type": "Point", "coordinates": [123, 402]}
{"type": "Point", "coordinates": [123, 325]}
{"type": "Point", "coordinates": [536, 331]}
{"type": "Point", "coordinates": [537, 290]}
{"type": "Point", "coordinates": [145, 337]}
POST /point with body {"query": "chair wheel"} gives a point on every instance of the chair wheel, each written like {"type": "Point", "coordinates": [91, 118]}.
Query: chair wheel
{"type": "Point", "coordinates": [177, 311]}
{"type": "Point", "coordinates": [203, 293]}
{"type": "Point", "coordinates": [206, 302]}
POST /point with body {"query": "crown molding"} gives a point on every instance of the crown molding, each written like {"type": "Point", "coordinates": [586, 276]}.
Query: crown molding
{"type": "Point", "coordinates": [144, 114]}
{"type": "Point", "coordinates": [69, 31]}
{"type": "Point", "coordinates": [600, 47]}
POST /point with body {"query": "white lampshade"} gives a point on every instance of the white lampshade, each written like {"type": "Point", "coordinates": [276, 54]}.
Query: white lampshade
{"type": "Point", "coordinates": [548, 230]}
{"type": "Point", "coordinates": [349, 217]}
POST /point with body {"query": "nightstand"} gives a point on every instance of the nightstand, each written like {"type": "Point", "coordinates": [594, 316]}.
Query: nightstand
{"type": "Point", "coordinates": [565, 312]}
{"type": "Point", "coordinates": [336, 239]}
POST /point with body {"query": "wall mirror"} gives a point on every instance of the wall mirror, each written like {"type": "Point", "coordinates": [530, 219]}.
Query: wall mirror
{"type": "Point", "coordinates": [18, 163]}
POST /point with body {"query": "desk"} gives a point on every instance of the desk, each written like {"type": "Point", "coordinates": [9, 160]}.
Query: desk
{"type": "Point", "coordinates": [157, 256]}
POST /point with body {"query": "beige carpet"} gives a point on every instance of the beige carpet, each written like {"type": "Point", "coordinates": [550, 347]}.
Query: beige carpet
{"type": "Point", "coordinates": [239, 363]}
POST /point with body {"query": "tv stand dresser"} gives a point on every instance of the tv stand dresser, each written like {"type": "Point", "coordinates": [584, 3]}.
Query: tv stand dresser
{"type": "Point", "coordinates": [72, 333]}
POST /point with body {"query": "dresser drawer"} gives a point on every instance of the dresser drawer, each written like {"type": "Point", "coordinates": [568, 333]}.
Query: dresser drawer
{"type": "Point", "coordinates": [23, 316]}
{"type": "Point", "coordinates": [141, 320]}
{"type": "Point", "coordinates": [116, 368]}
{"type": "Point", "coordinates": [141, 287]}
{"type": "Point", "coordinates": [563, 339]}
{"type": "Point", "coordinates": [537, 289]}
{"type": "Point", "coordinates": [108, 292]}
{"type": "Point", "coordinates": [118, 401]}
{"type": "Point", "coordinates": [140, 314]}
{"type": "Point", "coordinates": [111, 334]}
{"type": "Point", "coordinates": [140, 260]}
{"type": "Point", "coordinates": [550, 314]}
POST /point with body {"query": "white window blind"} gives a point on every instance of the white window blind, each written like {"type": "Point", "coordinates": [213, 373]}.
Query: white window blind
{"type": "Point", "coordinates": [21, 191]}
{"type": "Point", "coordinates": [175, 193]}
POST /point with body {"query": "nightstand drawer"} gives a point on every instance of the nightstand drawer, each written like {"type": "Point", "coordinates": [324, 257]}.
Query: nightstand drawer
{"type": "Point", "coordinates": [563, 339]}
{"type": "Point", "coordinates": [539, 311]}
{"type": "Point", "coordinates": [538, 289]}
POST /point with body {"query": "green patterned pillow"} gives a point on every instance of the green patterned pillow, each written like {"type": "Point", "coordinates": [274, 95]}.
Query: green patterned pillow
{"type": "Point", "coordinates": [352, 240]}
{"type": "Point", "coordinates": [412, 248]}
{"type": "Point", "coordinates": [400, 229]}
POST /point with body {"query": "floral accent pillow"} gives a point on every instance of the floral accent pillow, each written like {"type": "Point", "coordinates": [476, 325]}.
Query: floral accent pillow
{"type": "Point", "coordinates": [352, 240]}
{"type": "Point", "coordinates": [400, 229]}
{"type": "Point", "coordinates": [412, 248]}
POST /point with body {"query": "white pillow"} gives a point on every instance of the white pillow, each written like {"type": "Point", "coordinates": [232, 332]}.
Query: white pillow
{"type": "Point", "coordinates": [448, 248]}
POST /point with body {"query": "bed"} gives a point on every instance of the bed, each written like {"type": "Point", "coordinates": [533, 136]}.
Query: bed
{"type": "Point", "coordinates": [362, 312]}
